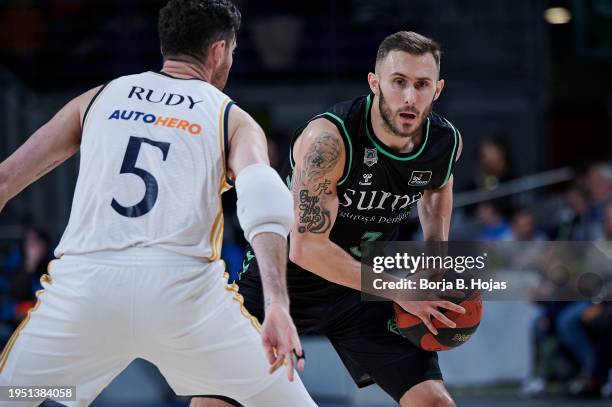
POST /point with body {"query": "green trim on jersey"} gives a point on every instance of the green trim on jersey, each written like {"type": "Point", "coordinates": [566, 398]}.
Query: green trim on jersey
{"type": "Point", "coordinates": [346, 136]}
{"type": "Point", "coordinates": [452, 159]}
{"type": "Point", "coordinates": [382, 150]}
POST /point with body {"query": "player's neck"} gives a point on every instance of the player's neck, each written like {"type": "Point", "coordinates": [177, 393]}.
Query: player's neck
{"type": "Point", "coordinates": [390, 139]}
{"type": "Point", "coordinates": [180, 67]}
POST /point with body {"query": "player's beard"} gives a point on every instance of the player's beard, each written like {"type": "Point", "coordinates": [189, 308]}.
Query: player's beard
{"type": "Point", "coordinates": [389, 116]}
{"type": "Point", "coordinates": [219, 77]}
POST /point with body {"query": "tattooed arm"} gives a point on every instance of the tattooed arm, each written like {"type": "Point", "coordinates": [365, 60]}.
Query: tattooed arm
{"type": "Point", "coordinates": [47, 148]}
{"type": "Point", "coordinates": [319, 162]}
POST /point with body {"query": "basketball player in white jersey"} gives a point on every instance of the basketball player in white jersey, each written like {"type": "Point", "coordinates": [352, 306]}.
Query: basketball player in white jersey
{"type": "Point", "coordinates": [139, 273]}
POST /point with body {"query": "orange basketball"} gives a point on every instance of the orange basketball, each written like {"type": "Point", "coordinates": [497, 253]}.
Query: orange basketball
{"type": "Point", "coordinates": [412, 328]}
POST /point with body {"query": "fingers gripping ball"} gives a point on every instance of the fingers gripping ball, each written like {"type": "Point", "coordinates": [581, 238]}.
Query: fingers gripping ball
{"type": "Point", "coordinates": [413, 329]}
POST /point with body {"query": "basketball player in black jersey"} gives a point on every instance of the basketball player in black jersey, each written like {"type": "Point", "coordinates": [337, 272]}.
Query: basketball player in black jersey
{"type": "Point", "coordinates": [356, 172]}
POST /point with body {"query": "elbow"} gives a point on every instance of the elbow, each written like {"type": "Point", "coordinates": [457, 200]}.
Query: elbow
{"type": "Point", "coordinates": [298, 249]}
{"type": "Point", "coordinates": [4, 182]}
{"type": "Point", "coordinates": [296, 253]}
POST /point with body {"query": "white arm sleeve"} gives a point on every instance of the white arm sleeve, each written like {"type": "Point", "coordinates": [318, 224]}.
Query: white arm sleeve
{"type": "Point", "coordinates": [264, 202]}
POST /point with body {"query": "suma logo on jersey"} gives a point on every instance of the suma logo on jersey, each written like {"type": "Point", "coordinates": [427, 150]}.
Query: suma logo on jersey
{"type": "Point", "coordinates": [380, 200]}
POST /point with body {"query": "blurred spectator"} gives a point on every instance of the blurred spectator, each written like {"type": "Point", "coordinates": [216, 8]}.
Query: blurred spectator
{"type": "Point", "coordinates": [19, 286]}
{"type": "Point", "coordinates": [494, 226]}
{"type": "Point", "coordinates": [523, 227]}
{"type": "Point", "coordinates": [598, 183]}
{"type": "Point", "coordinates": [277, 40]}
{"type": "Point", "coordinates": [550, 361]}
{"type": "Point", "coordinates": [493, 165]}
{"type": "Point", "coordinates": [573, 335]}
{"type": "Point", "coordinates": [37, 254]}
{"type": "Point", "coordinates": [574, 222]}
{"type": "Point", "coordinates": [597, 319]}
{"type": "Point", "coordinates": [581, 324]}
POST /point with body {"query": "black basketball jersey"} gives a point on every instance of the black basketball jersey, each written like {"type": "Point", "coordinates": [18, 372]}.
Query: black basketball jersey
{"type": "Point", "coordinates": [380, 186]}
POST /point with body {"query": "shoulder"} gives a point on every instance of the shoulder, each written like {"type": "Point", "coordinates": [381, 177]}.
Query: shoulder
{"type": "Point", "coordinates": [84, 101]}
{"type": "Point", "coordinates": [441, 123]}
{"type": "Point", "coordinates": [334, 122]}
{"type": "Point", "coordinates": [445, 132]}
{"type": "Point", "coordinates": [239, 117]}
{"type": "Point", "coordinates": [319, 132]}
{"type": "Point", "coordinates": [349, 108]}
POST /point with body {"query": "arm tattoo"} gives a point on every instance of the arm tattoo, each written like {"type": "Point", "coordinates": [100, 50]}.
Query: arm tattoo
{"type": "Point", "coordinates": [321, 158]}
{"type": "Point", "coordinates": [313, 215]}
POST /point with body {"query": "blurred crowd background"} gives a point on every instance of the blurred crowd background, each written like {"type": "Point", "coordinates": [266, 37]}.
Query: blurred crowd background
{"type": "Point", "coordinates": [528, 83]}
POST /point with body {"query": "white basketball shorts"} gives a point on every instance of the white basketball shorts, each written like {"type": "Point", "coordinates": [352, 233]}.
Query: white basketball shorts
{"type": "Point", "coordinates": [100, 311]}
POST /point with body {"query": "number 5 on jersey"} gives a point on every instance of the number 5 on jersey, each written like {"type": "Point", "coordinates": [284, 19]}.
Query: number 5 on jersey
{"type": "Point", "coordinates": [151, 187]}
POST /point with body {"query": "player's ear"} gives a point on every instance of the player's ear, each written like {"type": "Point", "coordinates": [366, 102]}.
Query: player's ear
{"type": "Point", "coordinates": [217, 52]}
{"type": "Point", "coordinates": [439, 87]}
{"type": "Point", "coordinates": [373, 82]}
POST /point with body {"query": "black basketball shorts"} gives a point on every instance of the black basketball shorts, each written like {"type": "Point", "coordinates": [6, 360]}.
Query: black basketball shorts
{"type": "Point", "coordinates": [358, 330]}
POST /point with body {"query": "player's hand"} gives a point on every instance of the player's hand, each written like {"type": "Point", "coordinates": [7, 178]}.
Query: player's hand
{"type": "Point", "coordinates": [426, 310]}
{"type": "Point", "coordinates": [280, 340]}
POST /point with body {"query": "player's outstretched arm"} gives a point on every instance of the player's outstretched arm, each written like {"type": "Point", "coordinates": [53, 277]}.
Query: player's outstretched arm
{"type": "Point", "coordinates": [265, 214]}
{"type": "Point", "coordinates": [48, 147]}
{"type": "Point", "coordinates": [319, 161]}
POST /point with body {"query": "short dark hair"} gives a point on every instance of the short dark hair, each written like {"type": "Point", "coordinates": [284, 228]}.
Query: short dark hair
{"type": "Point", "coordinates": [189, 27]}
{"type": "Point", "coordinates": [410, 42]}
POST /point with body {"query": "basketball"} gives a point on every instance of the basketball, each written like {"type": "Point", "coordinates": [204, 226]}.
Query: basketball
{"type": "Point", "coordinates": [413, 329]}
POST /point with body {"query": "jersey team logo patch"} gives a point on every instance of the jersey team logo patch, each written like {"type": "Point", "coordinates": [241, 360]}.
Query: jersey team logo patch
{"type": "Point", "coordinates": [371, 157]}
{"type": "Point", "coordinates": [419, 178]}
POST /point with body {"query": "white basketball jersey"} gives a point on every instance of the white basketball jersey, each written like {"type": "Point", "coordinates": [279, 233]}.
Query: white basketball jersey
{"type": "Point", "coordinates": [152, 168]}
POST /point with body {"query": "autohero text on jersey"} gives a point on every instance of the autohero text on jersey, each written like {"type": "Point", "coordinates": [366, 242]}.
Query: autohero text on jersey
{"type": "Point", "coordinates": [164, 121]}
{"type": "Point", "coordinates": [165, 98]}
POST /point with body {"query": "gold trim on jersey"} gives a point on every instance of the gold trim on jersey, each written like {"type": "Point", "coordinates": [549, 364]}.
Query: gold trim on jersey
{"type": "Point", "coordinates": [46, 278]}
{"type": "Point", "coordinates": [238, 297]}
{"type": "Point", "coordinates": [215, 228]}
{"type": "Point", "coordinates": [219, 239]}
{"type": "Point", "coordinates": [222, 136]}
{"type": "Point", "coordinates": [95, 100]}
{"type": "Point", "coordinates": [216, 234]}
